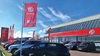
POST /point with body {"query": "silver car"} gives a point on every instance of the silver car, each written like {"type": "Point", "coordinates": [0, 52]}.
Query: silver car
{"type": "Point", "coordinates": [26, 44]}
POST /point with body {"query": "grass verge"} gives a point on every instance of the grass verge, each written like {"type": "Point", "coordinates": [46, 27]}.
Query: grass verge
{"type": "Point", "coordinates": [5, 51]}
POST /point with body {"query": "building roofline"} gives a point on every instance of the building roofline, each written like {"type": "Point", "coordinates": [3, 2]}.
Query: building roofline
{"type": "Point", "coordinates": [93, 17]}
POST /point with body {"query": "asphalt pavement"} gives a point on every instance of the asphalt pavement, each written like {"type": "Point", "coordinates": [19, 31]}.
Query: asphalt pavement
{"type": "Point", "coordinates": [80, 53]}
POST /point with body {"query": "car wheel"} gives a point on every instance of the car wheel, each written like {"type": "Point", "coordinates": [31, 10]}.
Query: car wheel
{"type": "Point", "coordinates": [44, 55]}
{"type": "Point", "coordinates": [13, 50]}
{"type": "Point", "coordinates": [83, 49]}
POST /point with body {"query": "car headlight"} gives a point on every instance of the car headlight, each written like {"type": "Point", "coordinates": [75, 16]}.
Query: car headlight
{"type": "Point", "coordinates": [17, 52]}
{"type": "Point", "coordinates": [9, 47]}
{"type": "Point", "coordinates": [31, 54]}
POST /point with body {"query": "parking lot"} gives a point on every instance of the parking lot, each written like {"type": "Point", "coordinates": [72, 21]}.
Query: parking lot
{"type": "Point", "coordinates": [80, 53]}
{"type": "Point", "coordinates": [74, 53]}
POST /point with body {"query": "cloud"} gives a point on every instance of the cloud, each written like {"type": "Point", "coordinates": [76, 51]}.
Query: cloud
{"type": "Point", "coordinates": [33, 29]}
{"type": "Point", "coordinates": [52, 18]}
{"type": "Point", "coordinates": [65, 18]}
{"type": "Point", "coordinates": [41, 23]}
{"type": "Point", "coordinates": [31, 32]}
{"type": "Point", "coordinates": [21, 8]}
{"type": "Point", "coordinates": [42, 32]}
{"type": "Point", "coordinates": [18, 34]}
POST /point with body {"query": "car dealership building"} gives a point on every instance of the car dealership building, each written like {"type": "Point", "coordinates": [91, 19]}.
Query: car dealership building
{"type": "Point", "coordinates": [85, 29]}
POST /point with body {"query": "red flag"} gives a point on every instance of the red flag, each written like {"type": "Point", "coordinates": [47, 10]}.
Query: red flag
{"type": "Point", "coordinates": [33, 35]}
{"type": "Point", "coordinates": [11, 35]}
{"type": "Point", "coordinates": [4, 34]}
{"type": "Point", "coordinates": [30, 14]}
{"type": "Point", "coordinates": [49, 31]}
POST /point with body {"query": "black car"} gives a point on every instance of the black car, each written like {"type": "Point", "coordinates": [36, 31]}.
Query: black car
{"type": "Point", "coordinates": [44, 49]}
{"type": "Point", "coordinates": [87, 46]}
{"type": "Point", "coordinates": [66, 42]}
{"type": "Point", "coordinates": [73, 45]}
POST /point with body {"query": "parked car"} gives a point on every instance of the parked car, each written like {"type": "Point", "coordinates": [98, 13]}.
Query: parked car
{"type": "Point", "coordinates": [97, 45]}
{"type": "Point", "coordinates": [66, 42]}
{"type": "Point", "coordinates": [9, 43]}
{"type": "Point", "coordinates": [87, 46]}
{"type": "Point", "coordinates": [26, 44]}
{"type": "Point", "coordinates": [15, 42]}
{"type": "Point", "coordinates": [44, 49]}
{"type": "Point", "coordinates": [73, 45]}
{"type": "Point", "coordinates": [4, 43]}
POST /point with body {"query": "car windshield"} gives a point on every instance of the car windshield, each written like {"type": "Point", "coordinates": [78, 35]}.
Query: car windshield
{"type": "Point", "coordinates": [71, 42]}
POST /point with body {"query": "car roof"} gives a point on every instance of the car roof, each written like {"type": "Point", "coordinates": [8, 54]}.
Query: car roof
{"type": "Point", "coordinates": [88, 42]}
{"type": "Point", "coordinates": [34, 40]}
{"type": "Point", "coordinates": [50, 43]}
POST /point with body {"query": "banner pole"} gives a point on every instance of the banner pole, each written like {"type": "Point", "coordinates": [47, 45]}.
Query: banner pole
{"type": "Point", "coordinates": [22, 31]}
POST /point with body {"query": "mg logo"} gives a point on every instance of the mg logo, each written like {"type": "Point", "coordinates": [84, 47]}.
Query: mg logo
{"type": "Point", "coordinates": [91, 32]}
{"type": "Point", "coordinates": [30, 9]}
{"type": "Point", "coordinates": [28, 21]}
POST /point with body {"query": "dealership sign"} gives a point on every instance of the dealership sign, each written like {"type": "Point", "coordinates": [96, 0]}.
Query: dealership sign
{"type": "Point", "coordinates": [86, 32]}
{"type": "Point", "coordinates": [92, 31]}
{"type": "Point", "coordinates": [4, 34]}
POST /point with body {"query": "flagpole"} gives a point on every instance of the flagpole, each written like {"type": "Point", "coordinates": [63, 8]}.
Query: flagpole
{"type": "Point", "coordinates": [31, 24]}
{"type": "Point", "coordinates": [22, 31]}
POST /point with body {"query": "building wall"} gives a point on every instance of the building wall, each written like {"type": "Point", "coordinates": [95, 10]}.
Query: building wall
{"type": "Point", "coordinates": [95, 38]}
{"type": "Point", "coordinates": [89, 23]}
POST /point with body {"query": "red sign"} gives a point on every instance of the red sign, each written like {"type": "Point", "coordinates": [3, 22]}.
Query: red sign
{"type": "Point", "coordinates": [30, 14]}
{"type": "Point", "coordinates": [0, 40]}
{"type": "Point", "coordinates": [4, 34]}
{"type": "Point", "coordinates": [86, 32]}
{"type": "Point", "coordinates": [11, 34]}
{"type": "Point", "coordinates": [49, 31]}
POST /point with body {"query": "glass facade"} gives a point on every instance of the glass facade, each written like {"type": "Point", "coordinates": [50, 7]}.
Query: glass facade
{"type": "Point", "coordinates": [79, 26]}
{"type": "Point", "coordinates": [95, 38]}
